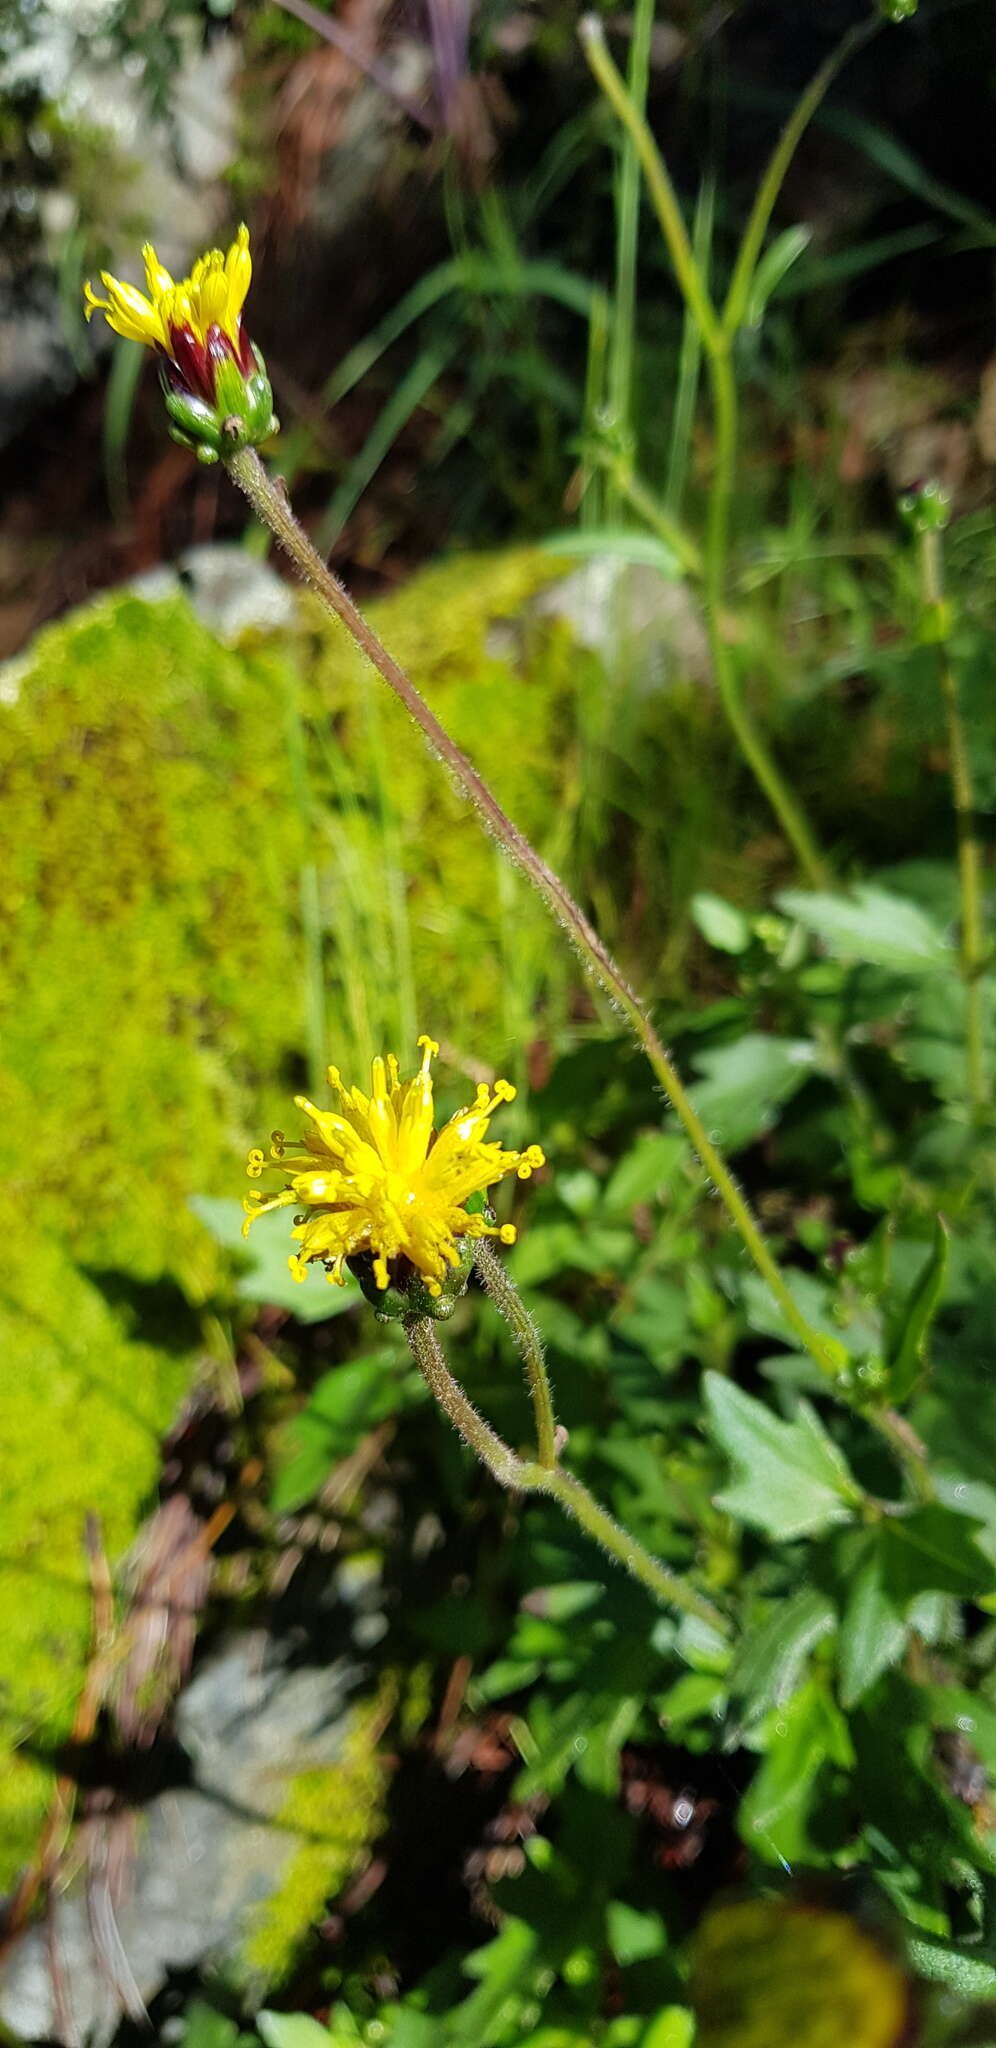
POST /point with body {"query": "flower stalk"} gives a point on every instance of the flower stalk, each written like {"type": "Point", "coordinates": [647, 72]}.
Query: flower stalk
{"type": "Point", "coordinates": [526, 1475]}
{"type": "Point", "coordinates": [498, 1283]}
{"type": "Point", "coordinates": [270, 504]}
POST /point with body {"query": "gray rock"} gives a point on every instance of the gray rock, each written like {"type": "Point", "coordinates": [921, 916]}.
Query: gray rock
{"type": "Point", "coordinates": [203, 1857]}
{"type": "Point", "coordinates": [232, 591]}
{"type": "Point", "coordinates": [629, 612]}
{"type": "Point", "coordinates": [170, 183]}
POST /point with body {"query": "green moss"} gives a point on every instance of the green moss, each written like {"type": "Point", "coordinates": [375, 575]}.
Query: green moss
{"type": "Point", "coordinates": [340, 1812]}
{"type": "Point", "coordinates": [81, 1411]}
{"type": "Point", "coordinates": [152, 1008]}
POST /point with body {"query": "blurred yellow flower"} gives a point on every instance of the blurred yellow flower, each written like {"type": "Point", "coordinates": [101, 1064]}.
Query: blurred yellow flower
{"type": "Point", "coordinates": [212, 296]}
{"type": "Point", "coordinates": [373, 1176]}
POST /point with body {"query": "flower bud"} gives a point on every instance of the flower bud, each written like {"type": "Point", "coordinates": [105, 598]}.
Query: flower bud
{"type": "Point", "coordinates": [926, 508]}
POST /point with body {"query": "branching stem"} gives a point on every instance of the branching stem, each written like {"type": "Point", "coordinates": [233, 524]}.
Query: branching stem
{"type": "Point", "coordinates": [523, 1475]}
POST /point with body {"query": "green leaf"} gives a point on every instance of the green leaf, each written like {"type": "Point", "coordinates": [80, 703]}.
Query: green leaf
{"type": "Point", "coordinates": [773, 266]}
{"type": "Point", "coordinates": [790, 1478]}
{"type": "Point", "coordinates": [264, 1276]}
{"type": "Point", "coordinates": [872, 926]}
{"type": "Point", "coordinates": [933, 1550]}
{"type": "Point", "coordinates": [625, 542]}
{"type": "Point", "coordinates": [633, 1936]}
{"type": "Point", "coordinates": [912, 1325]}
{"type": "Point", "coordinates": [966, 1713]}
{"type": "Point", "coordinates": [720, 923]}
{"type": "Point", "coordinates": [292, 2030]}
{"type": "Point", "coordinates": [770, 1660]}
{"type": "Point", "coordinates": [803, 1735]}
{"type": "Point", "coordinates": [205, 2027]}
{"type": "Point", "coordinates": [672, 2028]}
{"type": "Point", "coordinates": [646, 1172]}
{"type": "Point", "coordinates": [346, 1403]}
{"type": "Point", "coordinates": [970, 1976]}
{"type": "Point", "coordinates": [872, 1631]}
{"type": "Point", "coordinates": [747, 1081]}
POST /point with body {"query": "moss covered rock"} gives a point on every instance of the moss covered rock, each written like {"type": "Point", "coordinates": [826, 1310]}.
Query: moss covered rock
{"type": "Point", "coordinates": [216, 857]}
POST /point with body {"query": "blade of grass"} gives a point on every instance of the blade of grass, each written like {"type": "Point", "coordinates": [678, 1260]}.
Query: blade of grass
{"type": "Point", "coordinates": [627, 209]}
{"type": "Point", "coordinates": [405, 399]}
{"type": "Point", "coordinates": [119, 404]}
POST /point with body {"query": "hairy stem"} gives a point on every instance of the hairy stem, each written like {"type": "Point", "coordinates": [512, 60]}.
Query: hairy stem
{"type": "Point", "coordinates": [498, 1283]}
{"type": "Point", "coordinates": [270, 504]}
{"type": "Point", "coordinates": [521, 1475]}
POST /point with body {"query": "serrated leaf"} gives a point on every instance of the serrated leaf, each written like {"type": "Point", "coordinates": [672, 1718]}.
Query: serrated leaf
{"type": "Point", "coordinates": [790, 1478]}
{"type": "Point", "coordinates": [912, 1325]}
{"type": "Point", "coordinates": [745, 1082]}
{"type": "Point", "coordinates": [872, 926]}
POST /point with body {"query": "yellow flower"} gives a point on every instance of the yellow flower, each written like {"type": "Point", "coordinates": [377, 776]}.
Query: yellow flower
{"type": "Point", "coordinates": [213, 377]}
{"type": "Point", "coordinates": [212, 296]}
{"type": "Point", "coordinates": [373, 1177]}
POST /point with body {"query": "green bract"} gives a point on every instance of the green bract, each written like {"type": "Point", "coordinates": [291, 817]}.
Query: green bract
{"type": "Point", "coordinates": [241, 417]}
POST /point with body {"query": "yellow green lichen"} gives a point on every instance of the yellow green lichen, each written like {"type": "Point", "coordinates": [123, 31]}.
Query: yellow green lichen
{"type": "Point", "coordinates": [339, 1810]}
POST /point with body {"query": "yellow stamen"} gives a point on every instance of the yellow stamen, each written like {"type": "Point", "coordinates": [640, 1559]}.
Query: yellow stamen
{"type": "Point", "coordinates": [374, 1176]}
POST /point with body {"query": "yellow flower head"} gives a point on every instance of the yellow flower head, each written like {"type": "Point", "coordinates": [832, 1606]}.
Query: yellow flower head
{"type": "Point", "coordinates": [211, 297]}
{"type": "Point", "coordinates": [373, 1177]}
{"type": "Point", "coordinates": [213, 377]}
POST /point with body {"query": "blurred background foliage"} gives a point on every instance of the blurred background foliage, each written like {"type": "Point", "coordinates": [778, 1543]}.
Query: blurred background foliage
{"type": "Point", "coordinates": [308, 1734]}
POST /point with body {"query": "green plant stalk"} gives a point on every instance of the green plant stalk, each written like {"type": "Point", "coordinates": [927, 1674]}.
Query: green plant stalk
{"type": "Point", "coordinates": [659, 186]}
{"type": "Point", "coordinates": [620, 382]}
{"type": "Point", "coordinates": [523, 1475]}
{"type": "Point", "coordinates": [654, 515]}
{"type": "Point", "coordinates": [270, 503]}
{"type": "Point", "coordinates": [717, 343]}
{"type": "Point", "coordinates": [497, 1282]}
{"type": "Point", "coordinates": [689, 362]}
{"type": "Point", "coordinates": [935, 615]}
{"type": "Point", "coordinates": [789, 813]}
